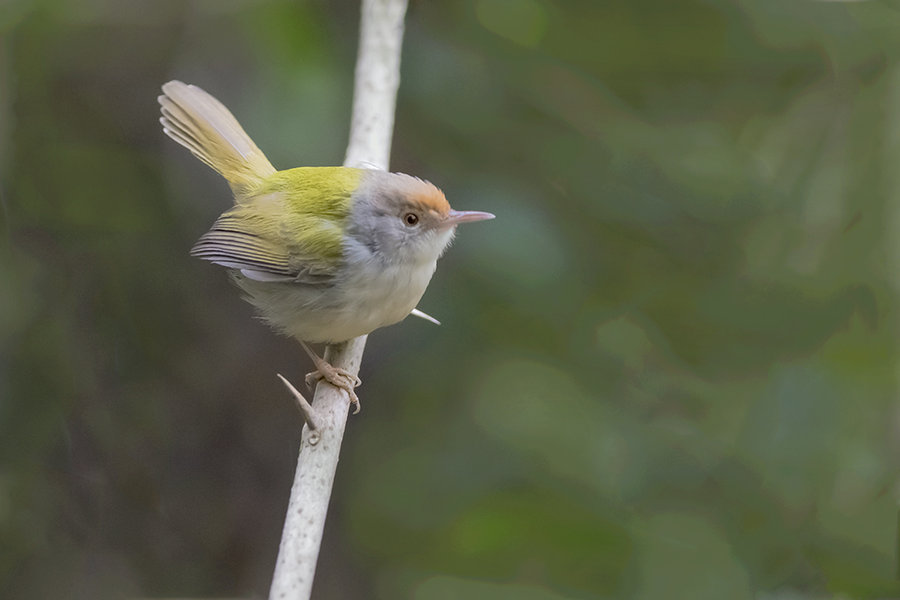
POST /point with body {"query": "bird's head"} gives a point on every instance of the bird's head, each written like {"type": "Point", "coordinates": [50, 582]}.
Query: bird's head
{"type": "Point", "coordinates": [402, 219]}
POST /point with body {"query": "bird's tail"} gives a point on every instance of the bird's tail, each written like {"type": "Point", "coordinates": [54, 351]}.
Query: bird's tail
{"type": "Point", "coordinates": [204, 126]}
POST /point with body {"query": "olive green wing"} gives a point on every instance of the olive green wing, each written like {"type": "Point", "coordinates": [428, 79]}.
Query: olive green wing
{"type": "Point", "coordinates": [290, 229]}
{"type": "Point", "coordinates": [272, 245]}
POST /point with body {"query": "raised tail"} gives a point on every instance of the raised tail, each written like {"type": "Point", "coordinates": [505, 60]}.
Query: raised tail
{"type": "Point", "coordinates": [204, 126]}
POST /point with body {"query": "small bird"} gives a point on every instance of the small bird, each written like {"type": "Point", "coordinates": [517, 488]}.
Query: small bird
{"type": "Point", "coordinates": [325, 254]}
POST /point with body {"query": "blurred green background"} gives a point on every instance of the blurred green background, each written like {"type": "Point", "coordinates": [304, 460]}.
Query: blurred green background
{"type": "Point", "coordinates": [668, 369]}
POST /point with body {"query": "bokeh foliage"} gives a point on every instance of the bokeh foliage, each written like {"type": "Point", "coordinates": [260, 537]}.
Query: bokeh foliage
{"type": "Point", "coordinates": [667, 370]}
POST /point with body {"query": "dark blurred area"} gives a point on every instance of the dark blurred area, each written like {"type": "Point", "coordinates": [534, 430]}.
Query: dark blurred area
{"type": "Point", "coordinates": [668, 369]}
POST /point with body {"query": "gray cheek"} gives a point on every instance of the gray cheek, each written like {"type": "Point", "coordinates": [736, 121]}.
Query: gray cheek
{"type": "Point", "coordinates": [364, 228]}
{"type": "Point", "coordinates": [387, 240]}
{"type": "Point", "coordinates": [371, 243]}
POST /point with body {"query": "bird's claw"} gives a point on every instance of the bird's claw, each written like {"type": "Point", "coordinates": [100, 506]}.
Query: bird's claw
{"type": "Point", "coordinates": [339, 378]}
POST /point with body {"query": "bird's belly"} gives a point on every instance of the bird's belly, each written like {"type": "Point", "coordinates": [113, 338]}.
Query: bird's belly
{"type": "Point", "coordinates": [352, 307]}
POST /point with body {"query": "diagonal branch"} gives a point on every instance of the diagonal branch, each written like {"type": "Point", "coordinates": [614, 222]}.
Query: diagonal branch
{"type": "Point", "coordinates": [374, 100]}
{"type": "Point", "coordinates": [306, 409]}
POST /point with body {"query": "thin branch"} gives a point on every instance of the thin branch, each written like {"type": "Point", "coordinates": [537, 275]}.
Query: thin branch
{"type": "Point", "coordinates": [374, 100]}
{"type": "Point", "coordinates": [418, 313]}
{"type": "Point", "coordinates": [305, 407]}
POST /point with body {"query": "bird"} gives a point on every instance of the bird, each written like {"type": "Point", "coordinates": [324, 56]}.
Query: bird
{"type": "Point", "coordinates": [324, 254]}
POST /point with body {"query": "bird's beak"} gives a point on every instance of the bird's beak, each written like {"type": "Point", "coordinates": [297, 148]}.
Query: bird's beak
{"type": "Point", "coordinates": [455, 217]}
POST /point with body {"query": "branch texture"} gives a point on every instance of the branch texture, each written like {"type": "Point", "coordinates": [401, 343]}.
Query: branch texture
{"type": "Point", "coordinates": [374, 99]}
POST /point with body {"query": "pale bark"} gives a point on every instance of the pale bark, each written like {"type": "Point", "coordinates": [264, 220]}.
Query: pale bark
{"type": "Point", "coordinates": [374, 99]}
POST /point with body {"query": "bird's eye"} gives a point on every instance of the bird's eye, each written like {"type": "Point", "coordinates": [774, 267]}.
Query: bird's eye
{"type": "Point", "coordinates": [411, 219]}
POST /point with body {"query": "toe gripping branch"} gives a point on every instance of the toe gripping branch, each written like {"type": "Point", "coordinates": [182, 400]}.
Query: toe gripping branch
{"type": "Point", "coordinates": [336, 376]}
{"type": "Point", "coordinates": [339, 378]}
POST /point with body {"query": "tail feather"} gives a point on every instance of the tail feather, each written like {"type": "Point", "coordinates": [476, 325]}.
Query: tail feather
{"type": "Point", "coordinates": [204, 126]}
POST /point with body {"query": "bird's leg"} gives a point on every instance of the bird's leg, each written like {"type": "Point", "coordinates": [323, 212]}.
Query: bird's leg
{"type": "Point", "coordinates": [340, 378]}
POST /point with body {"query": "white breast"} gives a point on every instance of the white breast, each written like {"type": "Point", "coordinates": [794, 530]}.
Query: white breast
{"type": "Point", "coordinates": [381, 297]}
{"type": "Point", "coordinates": [373, 296]}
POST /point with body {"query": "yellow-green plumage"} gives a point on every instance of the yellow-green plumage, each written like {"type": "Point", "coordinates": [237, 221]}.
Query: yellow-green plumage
{"type": "Point", "coordinates": [285, 224]}
{"type": "Point", "coordinates": [204, 126]}
{"type": "Point", "coordinates": [289, 224]}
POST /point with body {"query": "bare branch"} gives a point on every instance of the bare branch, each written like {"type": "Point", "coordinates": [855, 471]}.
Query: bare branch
{"type": "Point", "coordinates": [305, 408]}
{"type": "Point", "coordinates": [374, 99]}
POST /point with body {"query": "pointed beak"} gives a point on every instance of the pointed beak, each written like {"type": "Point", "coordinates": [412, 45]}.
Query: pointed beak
{"type": "Point", "coordinates": [455, 217]}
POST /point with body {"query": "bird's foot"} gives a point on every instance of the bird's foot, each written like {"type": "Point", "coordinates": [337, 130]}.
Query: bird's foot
{"type": "Point", "coordinates": [339, 378]}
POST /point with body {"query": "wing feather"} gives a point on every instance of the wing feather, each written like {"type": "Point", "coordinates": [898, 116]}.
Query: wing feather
{"type": "Point", "coordinates": [289, 228]}
{"type": "Point", "coordinates": [240, 241]}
